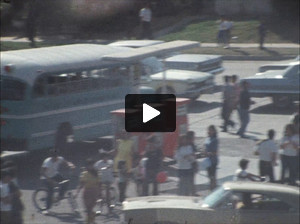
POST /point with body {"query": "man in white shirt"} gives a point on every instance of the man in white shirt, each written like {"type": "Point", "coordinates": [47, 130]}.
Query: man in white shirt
{"type": "Point", "coordinates": [51, 176]}
{"type": "Point", "coordinates": [242, 174]}
{"type": "Point", "coordinates": [6, 206]}
{"type": "Point", "coordinates": [267, 151]}
{"type": "Point", "coordinates": [105, 171]}
{"type": "Point", "coordinates": [145, 15]}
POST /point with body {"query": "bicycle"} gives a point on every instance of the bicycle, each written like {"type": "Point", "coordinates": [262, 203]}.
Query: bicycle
{"type": "Point", "coordinates": [39, 198]}
{"type": "Point", "coordinates": [105, 206]}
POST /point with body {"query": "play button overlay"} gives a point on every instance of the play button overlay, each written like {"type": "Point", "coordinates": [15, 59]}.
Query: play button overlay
{"type": "Point", "coordinates": [150, 112]}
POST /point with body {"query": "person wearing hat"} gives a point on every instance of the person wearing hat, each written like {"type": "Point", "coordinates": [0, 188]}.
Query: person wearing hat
{"type": "Point", "coordinates": [153, 164]}
{"type": "Point", "coordinates": [242, 174]}
{"type": "Point", "coordinates": [51, 175]}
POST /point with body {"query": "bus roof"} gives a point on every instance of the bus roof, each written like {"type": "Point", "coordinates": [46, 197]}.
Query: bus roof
{"type": "Point", "coordinates": [153, 50]}
{"type": "Point", "coordinates": [28, 64]}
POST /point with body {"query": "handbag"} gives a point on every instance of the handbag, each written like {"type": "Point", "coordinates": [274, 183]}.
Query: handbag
{"type": "Point", "coordinates": [205, 163]}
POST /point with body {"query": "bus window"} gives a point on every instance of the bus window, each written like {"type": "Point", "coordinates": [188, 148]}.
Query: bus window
{"type": "Point", "coordinates": [39, 87]}
{"type": "Point", "coordinates": [12, 90]}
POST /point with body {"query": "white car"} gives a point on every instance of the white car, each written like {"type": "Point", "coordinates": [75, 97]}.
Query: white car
{"type": "Point", "coordinates": [182, 83]}
{"type": "Point", "coordinates": [232, 203]}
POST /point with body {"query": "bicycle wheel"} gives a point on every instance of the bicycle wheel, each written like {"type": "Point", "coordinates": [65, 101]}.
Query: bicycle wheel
{"type": "Point", "coordinates": [39, 199]}
{"type": "Point", "coordinates": [113, 196]}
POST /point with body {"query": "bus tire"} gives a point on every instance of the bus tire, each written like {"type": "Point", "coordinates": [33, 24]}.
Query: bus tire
{"type": "Point", "coordinates": [63, 134]}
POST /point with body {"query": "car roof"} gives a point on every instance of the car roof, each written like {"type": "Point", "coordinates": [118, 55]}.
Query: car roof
{"type": "Point", "coordinates": [195, 58]}
{"type": "Point", "coordinates": [261, 187]}
{"type": "Point", "coordinates": [135, 43]}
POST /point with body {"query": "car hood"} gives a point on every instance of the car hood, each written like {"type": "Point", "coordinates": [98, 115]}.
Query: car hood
{"type": "Point", "coordinates": [159, 202]}
{"type": "Point", "coordinates": [182, 75]}
{"type": "Point", "coordinates": [271, 74]}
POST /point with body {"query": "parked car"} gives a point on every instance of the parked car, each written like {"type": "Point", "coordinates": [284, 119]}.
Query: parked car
{"type": "Point", "coordinates": [196, 62]}
{"type": "Point", "coordinates": [182, 83]}
{"type": "Point", "coordinates": [278, 65]}
{"type": "Point", "coordinates": [233, 202]}
{"type": "Point", "coordinates": [282, 85]}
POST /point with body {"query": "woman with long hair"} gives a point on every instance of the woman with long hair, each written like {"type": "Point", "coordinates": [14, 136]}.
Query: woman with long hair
{"type": "Point", "coordinates": [211, 150]}
{"type": "Point", "coordinates": [90, 182]}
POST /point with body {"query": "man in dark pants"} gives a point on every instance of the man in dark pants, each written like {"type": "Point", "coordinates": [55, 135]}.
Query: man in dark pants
{"type": "Point", "coordinates": [51, 176]}
{"type": "Point", "coordinates": [262, 34]}
{"type": "Point", "coordinates": [267, 151]}
{"type": "Point", "coordinates": [244, 104]}
{"type": "Point", "coordinates": [146, 16]}
{"type": "Point", "coordinates": [154, 159]}
{"type": "Point", "coordinates": [228, 101]}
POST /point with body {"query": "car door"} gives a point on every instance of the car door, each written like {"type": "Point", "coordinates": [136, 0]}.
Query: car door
{"type": "Point", "coordinates": [267, 209]}
{"type": "Point", "coordinates": [292, 81]}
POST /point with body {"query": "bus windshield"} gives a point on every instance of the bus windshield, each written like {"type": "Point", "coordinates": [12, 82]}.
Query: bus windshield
{"type": "Point", "coordinates": [12, 89]}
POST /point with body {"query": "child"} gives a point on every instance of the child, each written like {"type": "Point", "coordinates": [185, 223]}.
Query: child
{"type": "Point", "coordinates": [122, 172]}
{"type": "Point", "coordinates": [242, 173]}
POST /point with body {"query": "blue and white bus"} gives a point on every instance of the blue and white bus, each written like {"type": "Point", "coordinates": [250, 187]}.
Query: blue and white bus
{"type": "Point", "coordinates": [54, 95]}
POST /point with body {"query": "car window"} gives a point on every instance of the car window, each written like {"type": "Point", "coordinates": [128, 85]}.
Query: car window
{"type": "Point", "coordinates": [293, 72]}
{"type": "Point", "coordinates": [261, 202]}
{"type": "Point", "coordinates": [215, 198]}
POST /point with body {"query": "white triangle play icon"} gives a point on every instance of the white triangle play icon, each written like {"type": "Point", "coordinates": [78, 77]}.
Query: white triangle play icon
{"type": "Point", "coordinates": [149, 113]}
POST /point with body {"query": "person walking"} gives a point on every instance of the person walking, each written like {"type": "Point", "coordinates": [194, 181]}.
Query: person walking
{"type": "Point", "coordinates": [221, 38]}
{"type": "Point", "coordinates": [184, 156]}
{"type": "Point", "coordinates": [122, 180]}
{"type": "Point", "coordinates": [145, 15]}
{"type": "Point", "coordinates": [244, 104]}
{"type": "Point", "coordinates": [267, 151]}
{"type": "Point", "coordinates": [290, 146]}
{"type": "Point", "coordinates": [211, 145]}
{"type": "Point", "coordinates": [91, 185]}
{"type": "Point", "coordinates": [153, 164]}
{"type": "Point", "coordinates": [124, 151]}
{"type": "Point", "coordinates": [191, 141]}
{"type": "Point", "coordinates": [262, 35]}
{"type": "Point", "coordinates": [228, 100]}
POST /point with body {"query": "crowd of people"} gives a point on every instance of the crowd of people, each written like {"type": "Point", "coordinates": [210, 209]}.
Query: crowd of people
{"type": "Point", "coordinates": [124, 162]}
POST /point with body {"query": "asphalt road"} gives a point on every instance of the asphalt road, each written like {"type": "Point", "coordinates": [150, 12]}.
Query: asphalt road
{"type": "Point", "coordinates": [205, 111]}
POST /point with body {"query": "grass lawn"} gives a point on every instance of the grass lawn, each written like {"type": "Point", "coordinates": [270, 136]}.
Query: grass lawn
{"type": "Point", "coordinates": [13, 45]}
{"type": "Point", "coordinates": [206, 32]}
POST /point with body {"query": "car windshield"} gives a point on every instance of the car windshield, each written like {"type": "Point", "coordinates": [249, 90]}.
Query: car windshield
{"type": "Point", "coordinates": [211, 200]}
{"type": "Point", "coordinates": [151, 65]}
{"type": "Point", "coordinates": [292, 71]}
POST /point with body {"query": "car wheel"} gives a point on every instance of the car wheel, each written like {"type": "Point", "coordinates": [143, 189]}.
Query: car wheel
{"type": "Point", "coordinates": [282, 101]}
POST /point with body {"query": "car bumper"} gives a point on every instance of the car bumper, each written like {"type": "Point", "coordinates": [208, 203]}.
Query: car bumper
{"type": "Point", "coordinates": [215, 71]}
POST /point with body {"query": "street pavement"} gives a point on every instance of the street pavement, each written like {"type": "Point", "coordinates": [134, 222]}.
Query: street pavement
{"type": "Point", "coordinates": [204, 112]}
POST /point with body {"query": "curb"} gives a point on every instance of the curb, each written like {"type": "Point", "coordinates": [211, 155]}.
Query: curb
{"type": "Point", "coordinates": [257, 58]}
